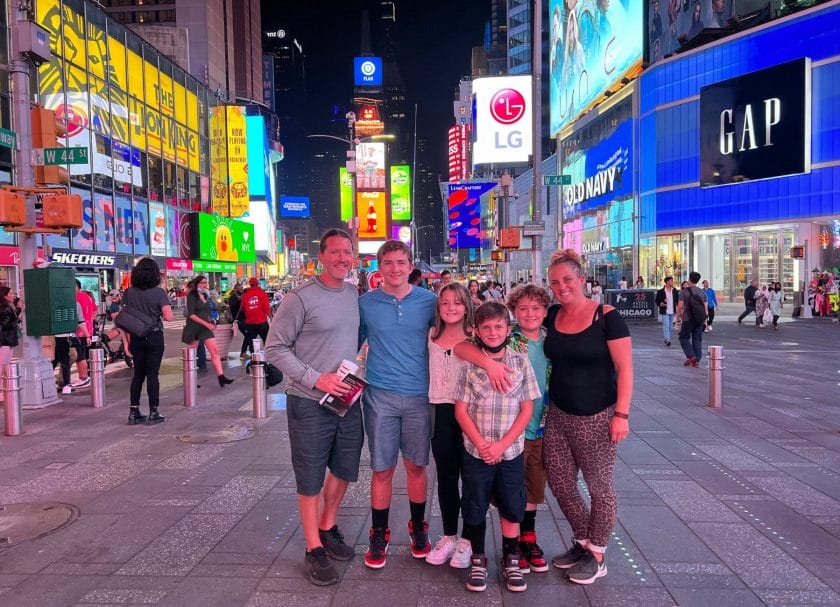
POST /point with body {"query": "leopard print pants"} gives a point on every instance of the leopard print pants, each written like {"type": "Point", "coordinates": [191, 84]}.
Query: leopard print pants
{"type": "Point", "coordinates": [575, 443]}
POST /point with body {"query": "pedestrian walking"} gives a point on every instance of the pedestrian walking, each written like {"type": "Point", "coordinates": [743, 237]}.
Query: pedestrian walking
{"type": "Point", "coordinates": [692, 310]}
{"type": "Point", "coordinates": [711, 301]}
{"type": "Point", "coordinates": [80, 340]}
{"type": "Point", "coordinates": [9, 324]}
{"type": "Point", "coordinates": [777, 302]}
{"type": "Point", "coordinates": [666, 299]}
{"type": "Point", "coordinates": [317, 327]}
{"type": "Point", "coordinates": [590, 389]}
{"type": "Point", "coordinates": [453, 325]}
{"type": "Point", "coordinates": [762, 306]}
{"type": "Point", "coordinates": [199, 326]}
{"type": "Point", "coordinates": [395, 320]}
{"type": "Point", "coordinates": [749, 302]}
{"type": "Point", "coordinates": [256, 310]}
{"type": "Point", "coordinates": [494, 447]}
{"type": "Point", "coordinates": [235, 311]}
{"type": "Point", "coordinates": [146, 299]}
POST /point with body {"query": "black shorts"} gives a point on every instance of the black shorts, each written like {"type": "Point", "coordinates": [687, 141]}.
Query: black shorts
{"type": "Point", "coordinates": [503, 482]}
{"type": "Point", "coordinates": [81, 345]}
{"type": "Point", "coordinates": [320, 439]}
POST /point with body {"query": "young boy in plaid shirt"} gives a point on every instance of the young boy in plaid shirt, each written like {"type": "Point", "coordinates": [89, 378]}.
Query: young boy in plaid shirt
{"type": "Point", "coordinates": [494, 425]}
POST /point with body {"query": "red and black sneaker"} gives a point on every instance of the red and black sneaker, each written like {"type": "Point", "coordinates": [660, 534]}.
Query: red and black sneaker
{"type": "Point", "coordinates": [420, 544]}
{"type": "Point", "coordinates": [377, 552]}
{"type": "Point", "coordinates": [532, 557]}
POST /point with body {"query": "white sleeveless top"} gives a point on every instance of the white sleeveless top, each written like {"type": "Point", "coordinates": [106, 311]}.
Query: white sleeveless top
{"type": "Point", "coordinates": [444, 370]}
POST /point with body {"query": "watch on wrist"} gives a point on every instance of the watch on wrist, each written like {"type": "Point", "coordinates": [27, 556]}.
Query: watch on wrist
{"type": "Point", "coordinates": [621, 415]}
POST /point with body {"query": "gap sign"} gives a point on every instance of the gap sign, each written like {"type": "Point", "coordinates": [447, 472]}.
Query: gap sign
{"type": "Point", "coordinates": [59, 156]}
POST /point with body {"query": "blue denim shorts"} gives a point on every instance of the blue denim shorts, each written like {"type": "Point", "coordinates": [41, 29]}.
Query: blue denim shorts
{"type": "Point", "coordinates": [395, 423]}
{"type": "Point", "coordinates": [320, 439]}
{"type": "Point", "coordinates": [503, 482]}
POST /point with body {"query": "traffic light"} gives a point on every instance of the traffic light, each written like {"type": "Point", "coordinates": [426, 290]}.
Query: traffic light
{"type": "Point", "coordinates": [62, 211]}
{"type": "Point", "coordinates": [12, 209]}
{"type": "Point", "coordinates": [46, 129]}
{"type": "Point", "coordinates": [497, 255]}
{"type": "Point", "coordinates": [291, 242]}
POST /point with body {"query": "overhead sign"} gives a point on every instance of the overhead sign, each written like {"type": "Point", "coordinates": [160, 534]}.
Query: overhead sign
{"type": "Point", "coordinates": [367, 71]}
{"type": "Point", "coordinates": [757, 125]}
{"type": "Point", "coordinates": [464, 202]}
{"type": "Point", "coordinates": [213, 266]}
{"type": "Point", "coordinates": [294, 207]}
{"type": "Point", "coordinates": [502, 120]}
{"type": "Point", "coordinates": [533, 228]}
{"type": "Point", "coordinates": [401, 192]}
{"type": "Point", "coordinates": [72, 258]}
{"type": "Point", "coordinates": [60, 156]}
{"type": "Point", "coordinates": [557, 179]}
{"type": "Point", "coordinates": [592, 47]}
{"type": "Point", "coordinates": [218, 238]}
{"type": "Point", "coordinates": [8, 139]}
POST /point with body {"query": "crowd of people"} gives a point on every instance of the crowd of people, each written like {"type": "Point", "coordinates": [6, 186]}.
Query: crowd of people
{"type": "Point", "coordinates": [506, 407]}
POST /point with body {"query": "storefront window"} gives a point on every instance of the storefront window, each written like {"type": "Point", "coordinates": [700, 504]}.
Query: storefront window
{"type": "Point", "coordinates": [140, 183]}
{"type": "Point", "coordinates": [155, 188]}
{"type": "Point", "coordinates": [169, 194]}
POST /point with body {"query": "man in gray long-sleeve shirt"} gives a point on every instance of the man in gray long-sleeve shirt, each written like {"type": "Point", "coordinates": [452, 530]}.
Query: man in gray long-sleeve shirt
{"type": "Point", "coordinates": [315, 328]}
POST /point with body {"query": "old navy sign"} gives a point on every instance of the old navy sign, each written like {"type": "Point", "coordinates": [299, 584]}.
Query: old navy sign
{"type": "Point", "coordinates": [756, 126]}
{"type": "Point", "coordinates": [70, 258]}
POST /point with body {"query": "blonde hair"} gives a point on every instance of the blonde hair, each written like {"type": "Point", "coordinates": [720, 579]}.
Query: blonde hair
{"type": "Point", "coordinates": [568, 257]}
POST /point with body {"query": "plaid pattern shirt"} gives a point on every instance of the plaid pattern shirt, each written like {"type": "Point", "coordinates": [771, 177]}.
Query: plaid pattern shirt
{"type": "Point", "coordinates": [494, 413]}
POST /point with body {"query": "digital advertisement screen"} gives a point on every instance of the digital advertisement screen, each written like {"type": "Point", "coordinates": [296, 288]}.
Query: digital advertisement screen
{"type": "Point", "coordinates": [294, 207]}
{"type": "Point", "coordinates": [592, 46]}
{"type": "Point", "coordinates": [401, 193]}
{"type": "Point", "coordinates": [502, 119]}
{"type": "Point", "coordinates": [222, 239]}
{"type": "Point", "coordinates": [373, 215]}
{"type": "Point", "coordinates": [345, 191]}
{"type": "Point", "coordinates": [600, 174]}
{"type": "Point", "coordinates": [757, 125]}
{"type": "Point", "coordinates": [669, 20]}
{"type": "Point", "coordinates": [464, 201]}
{"type": "Point", "coordinates": [401, 233]}
{"type": "Point", "coordinates": [370, 166]}
{"type": "Point", "coordinates": [367, 71]}
{"type": "Point", "coordinates": [157, 228]}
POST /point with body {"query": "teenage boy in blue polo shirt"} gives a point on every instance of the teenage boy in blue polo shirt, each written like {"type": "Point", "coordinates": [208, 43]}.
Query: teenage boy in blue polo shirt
{"type": "Point", "coordinates": [395, 320]}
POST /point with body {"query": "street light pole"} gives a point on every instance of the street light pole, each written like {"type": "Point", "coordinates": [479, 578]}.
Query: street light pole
{"type": "Point", "coordinates": [536, 94]}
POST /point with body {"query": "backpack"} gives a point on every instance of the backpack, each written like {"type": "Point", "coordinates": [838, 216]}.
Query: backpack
{"type": "Point", "coordinates": [696, 310]}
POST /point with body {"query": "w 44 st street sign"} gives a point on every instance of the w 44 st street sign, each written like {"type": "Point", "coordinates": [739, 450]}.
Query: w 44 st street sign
{"type": "Point", "coordinates": [557, 179]}
{"type": "Point", "coordinates": [60, 156]}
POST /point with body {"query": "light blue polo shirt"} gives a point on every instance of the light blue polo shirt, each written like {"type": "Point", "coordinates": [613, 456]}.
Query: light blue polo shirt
{"type": "Point", "coordinates": [397, 333]}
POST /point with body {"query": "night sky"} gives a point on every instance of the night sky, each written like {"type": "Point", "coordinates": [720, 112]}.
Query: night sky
{"type": "Point", "coordinates": [434, 53]}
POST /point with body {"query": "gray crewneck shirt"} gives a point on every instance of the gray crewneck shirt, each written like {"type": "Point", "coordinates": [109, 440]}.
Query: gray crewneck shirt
{"type": "Point", "coordinates": [314, 329]}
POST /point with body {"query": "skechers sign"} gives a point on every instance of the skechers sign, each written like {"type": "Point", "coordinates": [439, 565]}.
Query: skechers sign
{"type": "Point", "coordinates": [502, 119]}
{"type": "Point", "coordinates": [70, 258]}
{"type": "Point", "coordinates": [367, 71]}
{"type": "Point", "coordinates": [756, 126]}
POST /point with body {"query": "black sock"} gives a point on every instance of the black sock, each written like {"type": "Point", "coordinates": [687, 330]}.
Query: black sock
{"type": "Point", "coordinates": [418, 512]}
{"type": "Point", "coordinates": [475, 534]}
{"type": "Point", "coordinates": [379, 518]}
{"type": "Point", "coordinates": [529, 522]}
{"type": "Point", "coordinates": [510, 545]}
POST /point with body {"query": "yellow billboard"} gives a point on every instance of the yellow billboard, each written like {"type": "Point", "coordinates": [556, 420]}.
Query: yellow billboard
{"type": "Point", "coordinates": [218, 161]}
{"type": "Point", "coordinates": [148, 110]}
{"type": "Point", "coordinates": [229, 160]}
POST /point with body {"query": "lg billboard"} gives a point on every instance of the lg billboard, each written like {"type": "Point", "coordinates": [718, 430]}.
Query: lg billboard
{"type": "Point", "coordinates": [502, 120]}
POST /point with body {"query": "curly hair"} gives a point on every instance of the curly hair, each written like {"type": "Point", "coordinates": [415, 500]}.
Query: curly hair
{"type": "Point", "coordinates": [530, 291]}
{"type": "Point", "coordinates": [145, 274]}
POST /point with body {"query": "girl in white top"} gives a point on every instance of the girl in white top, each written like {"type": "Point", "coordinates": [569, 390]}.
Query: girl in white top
{"type": "Point", "coordinates": [453, 324]}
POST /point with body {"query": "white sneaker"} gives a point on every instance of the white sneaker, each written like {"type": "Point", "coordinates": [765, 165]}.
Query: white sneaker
{"type": "Point", "coordinates": [462, 555]}
{"type": "Point", "coordinates": [710, 328]}
{"type": "Point", "coordinates": [442, 551]}
{"type": "Point", "coordinates": [67, 389]}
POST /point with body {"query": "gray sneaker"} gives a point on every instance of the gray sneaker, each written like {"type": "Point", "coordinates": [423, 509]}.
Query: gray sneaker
{"type": "Point", "coordinates": [319, 568]}
{"type": "Point", "coordinates": [587, 570]}
{"type": "Point", "coordinates": [333, 542]}
{"type": "Point", "coordinates": [570, 558]}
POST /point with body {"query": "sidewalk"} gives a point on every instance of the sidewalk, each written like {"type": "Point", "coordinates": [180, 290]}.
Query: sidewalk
{"type": "Point", "coordinates": [731, 506]}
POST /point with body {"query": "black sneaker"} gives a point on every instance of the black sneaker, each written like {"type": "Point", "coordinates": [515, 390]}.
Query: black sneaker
{"type": "Point", "coordinates": [419, 535]}
{"type": "Point", "coordinates": [514, 580]}
{"type": "Point", "coordinates": [587, 570]}
{"type": "Point", "coordinates": [333, 541]}
{"type": "Point", "coordinates": [319, 568]}
{"type": "Point", "coordinates": [570, 558]}
{"type": "Point", "coordinates": [477, 580]}
{"type": "Point", "coordinates": [377, 553]}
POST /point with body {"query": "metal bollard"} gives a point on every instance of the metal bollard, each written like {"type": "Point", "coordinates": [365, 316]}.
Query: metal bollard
{"type": "Point", "coordinates": [716, 376]}
{"type": "Point", "coordinates": [97, 377]}
{"type": "Point", "coordinates": [256, 345]}
{"type": "Point", "coordinates": [190, 376]}
{"type": "Point", "coordinates": [11, 394]}
{"type": "Point", "coordinates": [258, 387]}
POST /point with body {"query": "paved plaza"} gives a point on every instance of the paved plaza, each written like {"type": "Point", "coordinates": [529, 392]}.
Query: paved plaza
{"type": "Point", "coordinates": [733, 506]}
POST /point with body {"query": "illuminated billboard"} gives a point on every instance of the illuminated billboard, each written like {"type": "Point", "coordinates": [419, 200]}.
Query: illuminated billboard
{"type": "Point", "coordinates": [294, 207]}
{"type": "Point", "coordinates": [150, 111]}
{"type": "Point", "coordinates": [372, 211]}
{"type": "Point", "coordinates": [592, 47]}
{"type": "Point", "coordinates": [222, 239]}
{"type": "Point", "coordinates": [229, 160]}
{"type": "Point", "coordinates": [157, 226]}
{"type": "Point", "coordinates": [367, 71]}
{"type": "Point", "coordinates": [401, 233]}
{"type": "Point", "coordinates": [345, 189]}
{"type": "Point", "coordinates": [370, 166]}
{"type": "Point", "coordinates": [400, 193]}
{"type": "Point", "coordinates": [502, 120]}
{"type": "Point", "coordinates": [464, 202]}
